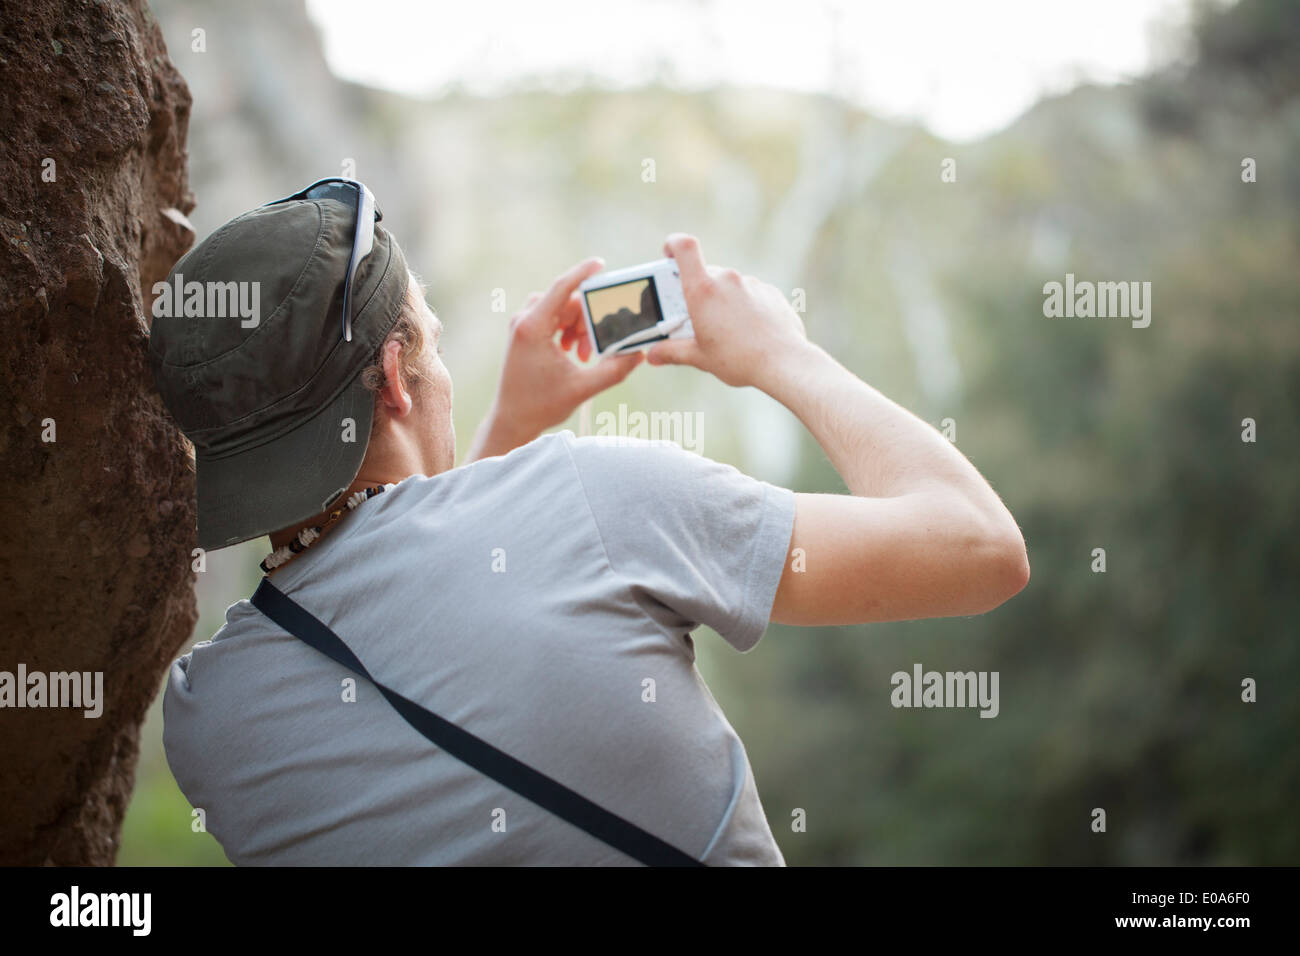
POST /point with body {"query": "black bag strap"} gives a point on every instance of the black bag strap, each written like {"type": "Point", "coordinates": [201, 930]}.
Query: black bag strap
{"type": "Point", "coordinates": [482, 756]}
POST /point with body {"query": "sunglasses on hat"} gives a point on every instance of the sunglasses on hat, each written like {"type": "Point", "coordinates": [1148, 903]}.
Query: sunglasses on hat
{"type": "Point", "coordinates": [356, 193]}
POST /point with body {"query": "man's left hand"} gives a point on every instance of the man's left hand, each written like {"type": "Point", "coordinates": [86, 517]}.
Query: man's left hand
{"type": "Point", "coordinates": [540, 384]}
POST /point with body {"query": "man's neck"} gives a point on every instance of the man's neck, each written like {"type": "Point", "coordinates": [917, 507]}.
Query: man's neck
{"type": "Point", "coordinates": [285, 535]}
{"type": "Point", "coordinates": [393, 455]}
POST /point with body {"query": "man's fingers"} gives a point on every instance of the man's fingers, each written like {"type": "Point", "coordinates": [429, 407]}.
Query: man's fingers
{"type": "Point", "coordinates": [685, 249]}
{"type": "Point", "coordinates": [525, 318]}
{"type": "Point", "coordinates": [571, 311]}
{"type": "Point", "coordinates": [572, 323]}
{"type": "Point", "coordinates": [674, 352]}
{"type": "Point", "coordinates": [550, 309]}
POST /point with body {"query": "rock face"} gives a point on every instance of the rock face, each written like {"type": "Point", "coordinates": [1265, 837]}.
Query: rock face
{"type": "Point", "coordinates": [98, 522]}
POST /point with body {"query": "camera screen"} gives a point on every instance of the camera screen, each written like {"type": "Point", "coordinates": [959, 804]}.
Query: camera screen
{"type": "Point", "coordinates": [617, 311]}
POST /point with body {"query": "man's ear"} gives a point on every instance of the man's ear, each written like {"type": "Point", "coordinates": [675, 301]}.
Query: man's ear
{"type": "Point", "coordinates": [396, 399]}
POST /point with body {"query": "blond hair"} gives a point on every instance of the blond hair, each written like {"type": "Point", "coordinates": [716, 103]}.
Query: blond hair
{"type": "Point", "coordinates": [411, 334]}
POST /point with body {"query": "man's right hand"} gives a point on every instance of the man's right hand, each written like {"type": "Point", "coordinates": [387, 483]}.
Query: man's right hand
{"type": "Point", "coordinates": [742, 325]}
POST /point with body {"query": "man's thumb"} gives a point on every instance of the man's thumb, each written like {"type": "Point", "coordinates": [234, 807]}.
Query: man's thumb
{"type": "Point", "coordinates": [609, 372]}
{"type": "Point", "coordinates": [674, 352]}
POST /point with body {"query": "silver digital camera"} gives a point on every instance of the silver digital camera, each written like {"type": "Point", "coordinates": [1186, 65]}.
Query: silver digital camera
{"type": "Point", "coordinates": [630, 309]}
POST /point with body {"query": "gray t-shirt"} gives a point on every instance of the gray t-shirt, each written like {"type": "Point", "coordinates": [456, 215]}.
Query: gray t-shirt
{"type": "Point", "coordinates": [542, 601]}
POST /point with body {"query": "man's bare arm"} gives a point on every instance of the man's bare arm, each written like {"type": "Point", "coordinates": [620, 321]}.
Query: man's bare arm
{"type": "Point", "coordinates": [921, 534]}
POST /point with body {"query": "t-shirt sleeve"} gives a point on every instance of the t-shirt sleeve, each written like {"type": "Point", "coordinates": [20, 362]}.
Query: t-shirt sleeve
{"type": "Point", "coordinates": [700, 537]}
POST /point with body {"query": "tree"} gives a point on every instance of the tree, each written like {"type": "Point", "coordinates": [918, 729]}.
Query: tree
{"type": "Point", "coordinates": [98, 512]}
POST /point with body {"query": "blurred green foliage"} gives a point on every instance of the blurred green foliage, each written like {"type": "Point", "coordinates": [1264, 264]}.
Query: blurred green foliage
{"type": "Point", "coordinates": [1119, 690]}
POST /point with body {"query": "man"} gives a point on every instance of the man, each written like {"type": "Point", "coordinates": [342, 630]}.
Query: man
{"type": "Point", "coordinates": [541, 596]}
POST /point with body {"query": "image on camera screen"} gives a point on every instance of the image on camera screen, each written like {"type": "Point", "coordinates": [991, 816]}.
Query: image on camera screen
{"type": "Point", "coordinates": [618, 311]}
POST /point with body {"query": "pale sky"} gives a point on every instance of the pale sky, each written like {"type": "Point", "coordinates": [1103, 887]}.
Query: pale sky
{"type": "Point", "coordinates": [962, 68]}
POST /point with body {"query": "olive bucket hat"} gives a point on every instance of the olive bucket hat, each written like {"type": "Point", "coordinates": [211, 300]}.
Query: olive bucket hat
{"type": "Point", "coordinates": [257, 345]}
